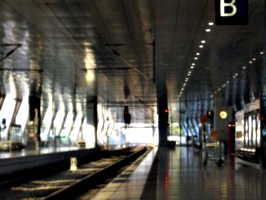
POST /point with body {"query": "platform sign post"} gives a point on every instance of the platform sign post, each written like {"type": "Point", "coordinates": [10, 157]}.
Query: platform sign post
{"type": "Point", "coordinates": [73, 164]}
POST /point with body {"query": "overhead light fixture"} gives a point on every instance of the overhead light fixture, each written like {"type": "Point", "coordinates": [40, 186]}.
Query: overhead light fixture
{"type": "Point", "coordinates": [254, 59]}
{"type": "Point", "coordinates": [200, 46]}
{"type": "Point", "coordinates": [203, 41]}
{"type": "Point", "coordinates": [244, 67]}
{"type": "Point", "coordinates": [197, 54]}
{"type": "Point", "coordinates": [196, 58]}
{"type": "Point", "coordinates": [250, 62]}
{"type": "Point", "coordinates": [210, 23]}
{"type": "Point", "coordinates": [236, 74]}
{"type": "Point", "coordinates": [189, 72]}
{"type": "Point", "coordinates": [261, 53]}
{"type": "Point", "coordinates": [192, 67]}
{"type": "Point", "coordinates": [193, 64]}
{"type": "Point", "coordinates": [208, 30]}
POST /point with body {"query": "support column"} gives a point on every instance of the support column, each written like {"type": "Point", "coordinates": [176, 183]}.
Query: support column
{"type": "Point", "coordinates": [162, 105]}
{"type": "Point", "coordinates": [35, 117]}
{"type": "Point", "coordinates": [222, 117]}
{"type": "Point", "coordinates": [91, 114]}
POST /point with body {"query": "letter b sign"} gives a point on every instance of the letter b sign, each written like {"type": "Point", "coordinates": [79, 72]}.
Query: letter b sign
{"type": "Point", "coordinates": [231, 12]}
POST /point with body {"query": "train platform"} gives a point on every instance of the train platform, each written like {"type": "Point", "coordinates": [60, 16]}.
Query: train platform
{"type": "Point", "coordinates": [164, 173]}
{"type": "Point", "coordinates": [18, 161]}
{"type": "Point", "coordinates": [179, 173]}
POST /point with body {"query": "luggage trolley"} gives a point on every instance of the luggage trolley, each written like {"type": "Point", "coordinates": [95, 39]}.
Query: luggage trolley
{"type": "Point", "coordinates": [213, 151]}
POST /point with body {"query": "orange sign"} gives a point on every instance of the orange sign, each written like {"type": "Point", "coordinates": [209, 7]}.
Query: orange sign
{"type": "Point", "coordinates": [213, 135]}
{"type": "Point", "coordinates": [203, 118]}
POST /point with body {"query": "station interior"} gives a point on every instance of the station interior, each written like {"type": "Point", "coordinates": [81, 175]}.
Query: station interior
{"type": "Point", "coordinates": [112, 74]}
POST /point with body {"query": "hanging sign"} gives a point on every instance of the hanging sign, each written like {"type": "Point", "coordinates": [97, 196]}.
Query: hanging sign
{"type": "Point", "coordinates": [231, 12]}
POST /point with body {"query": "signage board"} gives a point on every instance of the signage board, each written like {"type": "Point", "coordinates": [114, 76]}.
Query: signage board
{"type": "Point", "coordinates": [231, 12]}
{"type": "Point", "coordinates": [203, 118]}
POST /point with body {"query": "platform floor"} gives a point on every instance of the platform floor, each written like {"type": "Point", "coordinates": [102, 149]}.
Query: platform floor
{"type": "Point", "coordinates": [180, 174]}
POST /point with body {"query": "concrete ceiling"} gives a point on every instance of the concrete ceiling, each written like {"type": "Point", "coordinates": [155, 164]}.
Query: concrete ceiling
{"type": "Point", "coordinates": [72, 50]}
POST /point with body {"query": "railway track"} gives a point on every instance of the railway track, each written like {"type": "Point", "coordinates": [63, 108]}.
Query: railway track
{"type": "Point", "coordinates": [71, 184]}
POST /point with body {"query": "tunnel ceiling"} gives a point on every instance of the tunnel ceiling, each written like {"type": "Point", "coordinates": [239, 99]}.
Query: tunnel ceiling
{"type": "Point", "coordinates": [77, 49]}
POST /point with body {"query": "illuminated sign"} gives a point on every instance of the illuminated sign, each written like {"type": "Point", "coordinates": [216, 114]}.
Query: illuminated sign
{"type": "Point", "coordinates": [231, 12]}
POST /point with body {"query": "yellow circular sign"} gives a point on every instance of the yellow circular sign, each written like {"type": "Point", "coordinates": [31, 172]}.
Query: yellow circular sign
{"type": "Point", "coordinates": [223, 114]}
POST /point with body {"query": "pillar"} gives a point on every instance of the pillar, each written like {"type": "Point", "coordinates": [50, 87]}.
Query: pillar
{"type": "Point", "coordinates": [162, 105]}
{"type": "Point", "coordinates": [35, 116]}
{"type": "Point", "coordinates": [91, 114]}
{"type": "Point", "coordinates": [222, 117]}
